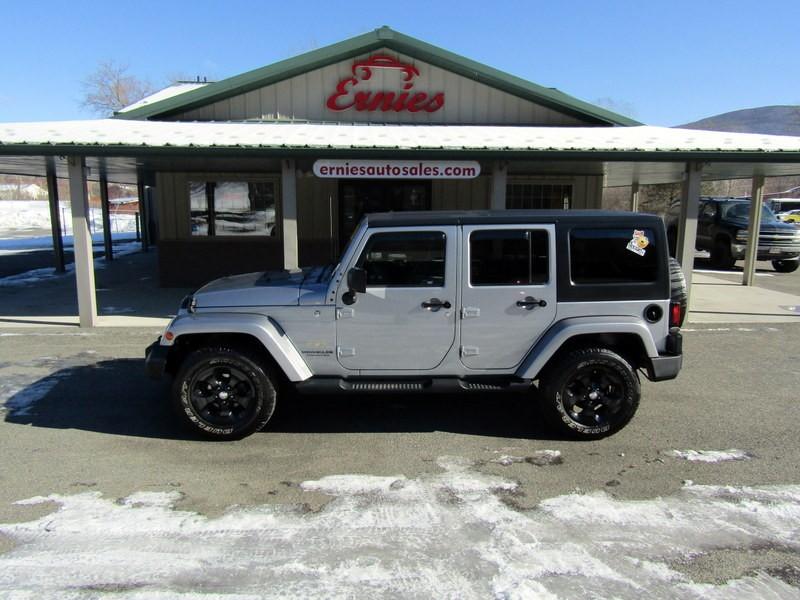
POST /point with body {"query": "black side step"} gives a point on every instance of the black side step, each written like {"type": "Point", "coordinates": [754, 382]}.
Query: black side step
{"type": "Point", "coordinates": [432, 385]}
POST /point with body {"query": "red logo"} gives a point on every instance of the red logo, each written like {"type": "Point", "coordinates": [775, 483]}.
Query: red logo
{"type": "Point", "coordinates": [346, 96]}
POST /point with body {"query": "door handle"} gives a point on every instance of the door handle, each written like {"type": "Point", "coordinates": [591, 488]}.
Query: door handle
{"type": "Point", "coordinates": [435, 304]}
{"type": "Point", "coordinates": [530, 303]}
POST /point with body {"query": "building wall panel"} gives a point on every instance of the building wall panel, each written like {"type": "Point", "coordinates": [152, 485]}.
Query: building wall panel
{"type": "Point", "coordinates": [303, 97]}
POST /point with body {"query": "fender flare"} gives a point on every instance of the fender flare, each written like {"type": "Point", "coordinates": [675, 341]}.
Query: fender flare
{"type": "Point", "coordinates": [557, 335]}
{"type": "Point", "coordinates": [265, 329]}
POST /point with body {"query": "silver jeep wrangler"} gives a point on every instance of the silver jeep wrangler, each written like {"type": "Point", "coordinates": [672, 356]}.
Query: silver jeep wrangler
{"type": "Point", "coordinates": [567, 305]}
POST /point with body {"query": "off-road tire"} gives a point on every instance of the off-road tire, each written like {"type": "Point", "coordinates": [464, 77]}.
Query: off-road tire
{"type": "Point", "coordinates": [721, 255]}
{"type": "Point", "coordinates": [198, 373]}
{"type": "Point", "coordinates": [785, 266]}
{"type": "Point", "coordinates": [566, 387]}
{"type": "Point", "coordinates": [677, 287]}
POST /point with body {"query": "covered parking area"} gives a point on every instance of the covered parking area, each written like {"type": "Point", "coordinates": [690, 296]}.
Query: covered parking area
{"type": "Point", "coordinates": [132, 151]}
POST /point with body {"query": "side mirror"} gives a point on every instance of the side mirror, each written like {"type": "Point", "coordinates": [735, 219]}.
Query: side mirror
{"type": "Point", "coordinates": [357, 280]}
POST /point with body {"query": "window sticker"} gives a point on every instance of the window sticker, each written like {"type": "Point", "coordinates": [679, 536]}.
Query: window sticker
{"type": "Point", "coordinates": [638, 243]}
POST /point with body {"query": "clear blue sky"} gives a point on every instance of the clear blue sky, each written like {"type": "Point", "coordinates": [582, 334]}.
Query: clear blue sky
{"type": "Point", "coordinates": [661, 62]}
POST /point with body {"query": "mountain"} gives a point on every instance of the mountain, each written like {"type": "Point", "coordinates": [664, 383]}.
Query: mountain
{"type": "Point", "coordinates": [774, 120]}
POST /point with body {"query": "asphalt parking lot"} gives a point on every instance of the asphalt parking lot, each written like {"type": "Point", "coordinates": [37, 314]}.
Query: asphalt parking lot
{"type": "Point", "coordinates": [81, 417]}
{"type": "Point", "coordinates": [401, 496]}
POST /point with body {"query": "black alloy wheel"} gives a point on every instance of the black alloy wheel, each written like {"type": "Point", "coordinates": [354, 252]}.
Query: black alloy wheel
{"type": "Point", "coordinates": [223, 396]}
{"type": "Point", "coordinates": [223, 393]}
{"type": "Point", "coordinates": [593, 396]}
{"type": "Point", "coordinates": [590, 393]}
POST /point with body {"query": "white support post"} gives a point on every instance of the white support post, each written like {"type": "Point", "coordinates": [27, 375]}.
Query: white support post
{"type": "Point", "coordinates": [499, 181]}
{"type": "Point", "coordinates": [687, 226]}
{"type": "Point", "coordinates": [82, 245]}
{"type": "Point", "coordinates": [635, 196]}
{"type": "Point", "coordinates": [289, 214]}
{"type": "Point", "coordinates": [751, 253]}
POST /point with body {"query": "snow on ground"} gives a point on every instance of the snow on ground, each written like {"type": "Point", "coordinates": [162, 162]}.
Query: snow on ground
{"type": "Point", "coordinates": [444, 535]}
{"type": "Point", "coordinates": [47, 273]}
{"type": "Point", "coordinates": [22, 385]}
{"type": "Point", "coordinates": [710, 456]}
{"type": "Point", "coordinates": [24, 215]}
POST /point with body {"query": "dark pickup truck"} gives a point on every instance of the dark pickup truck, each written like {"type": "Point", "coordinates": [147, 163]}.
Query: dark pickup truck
{"type": "Point", "coordinates": [722, 225]}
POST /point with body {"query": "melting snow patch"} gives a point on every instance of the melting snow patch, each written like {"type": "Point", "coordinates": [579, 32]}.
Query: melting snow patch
{"type": "Point", "coordinates": [540, 458]}
{"type": "Point", "coordinates": [18, 398]}
{"type": "Point", "coordinates": [48, 273]}
{"type": "Point", "coordinates": [710, 456]}
{"type": "Point", "coordinates": [117, 310]}
{"type": "Point", "coordinates": [444, 535]}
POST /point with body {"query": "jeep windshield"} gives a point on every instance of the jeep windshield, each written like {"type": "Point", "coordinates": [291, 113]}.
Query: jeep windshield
{"type": "Point", "coordinates": [741, 210]}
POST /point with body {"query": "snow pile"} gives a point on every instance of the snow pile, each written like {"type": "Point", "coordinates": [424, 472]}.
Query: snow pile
{"type": "Point", "coordinates": [47, 273]}
{"type": "Point", "coordinates": [24, 215]}
{"type": "Point", "coordinates": [19, 215]}
{"type": "Point", "coordinates": [710, 456]}
{"type": "Point", "coordinates": [444, 535]}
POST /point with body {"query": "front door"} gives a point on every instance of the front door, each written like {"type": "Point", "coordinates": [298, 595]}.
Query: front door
{"type": "Point", "coordinates": [361, 196]}
{"type": "Point", "coordinates": [406, 320]}
{"type": "Point", "coordinates": [509, 293]}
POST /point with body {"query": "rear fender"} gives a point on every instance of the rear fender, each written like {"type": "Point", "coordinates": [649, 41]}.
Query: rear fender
{"type": "Point", "coordinates": [562, 331]}
{"type": "Point", "coordinates": [263, 328]}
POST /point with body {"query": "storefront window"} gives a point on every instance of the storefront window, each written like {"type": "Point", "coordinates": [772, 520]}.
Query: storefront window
{"type": "Point", "coordinates": [232, 208]}
{"type": "Point", "coordinates": [538, 195]}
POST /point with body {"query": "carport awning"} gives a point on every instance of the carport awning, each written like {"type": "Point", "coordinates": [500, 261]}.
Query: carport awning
{"type": "Point", "coordinates": [644, 153]}
{"type": "Point", "coordinates": [115, 134]}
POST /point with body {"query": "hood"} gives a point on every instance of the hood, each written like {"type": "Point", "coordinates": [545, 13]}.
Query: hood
{"type": "Point", "coordinates": [267, 288]}
{"type": "Point", "coordinates": [766, 226]}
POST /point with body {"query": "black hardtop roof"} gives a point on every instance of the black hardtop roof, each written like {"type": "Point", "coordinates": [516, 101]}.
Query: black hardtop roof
{"type": "Point", "coordinates": [509, 216]}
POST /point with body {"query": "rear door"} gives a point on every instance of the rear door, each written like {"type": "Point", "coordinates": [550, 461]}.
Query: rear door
{"type": "Point", "coordinates": [509, 292]}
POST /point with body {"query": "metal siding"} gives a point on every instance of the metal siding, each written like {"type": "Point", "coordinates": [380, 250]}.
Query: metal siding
{"type": "Point", "coordinates": [464, 194]}
{"type": "Point", "coordinates": [303, 98]}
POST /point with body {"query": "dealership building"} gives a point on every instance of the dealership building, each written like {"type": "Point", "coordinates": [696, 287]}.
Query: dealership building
{"type": "Point", "coordinates": [273, 168]}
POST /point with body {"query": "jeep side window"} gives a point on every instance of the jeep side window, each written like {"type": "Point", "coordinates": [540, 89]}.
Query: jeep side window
{"type": "Point", "coordinates": [508, 257]}
{"type": "Point", "coordinates": [404, 259]}
{"type": "Point", "coordinates": [613, 256]}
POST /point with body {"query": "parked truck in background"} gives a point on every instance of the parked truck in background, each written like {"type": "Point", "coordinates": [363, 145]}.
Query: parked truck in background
{"type": "Point", "coordinates": [722, 230]}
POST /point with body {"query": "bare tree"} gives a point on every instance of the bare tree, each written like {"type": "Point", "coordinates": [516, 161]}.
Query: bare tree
{"type": "Point", "coordinates": [110, 87]}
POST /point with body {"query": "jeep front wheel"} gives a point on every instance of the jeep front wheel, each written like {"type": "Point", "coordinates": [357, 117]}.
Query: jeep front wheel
{"type": "Point", "coordinates": [224, 394]}
{"type": "Point", "coordinates": [590, 394]}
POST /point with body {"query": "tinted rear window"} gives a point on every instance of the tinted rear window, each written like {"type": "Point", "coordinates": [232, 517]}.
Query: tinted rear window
{"type": "Point", "coordinates": [613, 256]}
{"type": "Point", "coordinates": [508, 257]}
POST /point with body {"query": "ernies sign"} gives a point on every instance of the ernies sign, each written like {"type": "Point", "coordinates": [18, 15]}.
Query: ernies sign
{"type": "Point", "coordinates": [347, 94]}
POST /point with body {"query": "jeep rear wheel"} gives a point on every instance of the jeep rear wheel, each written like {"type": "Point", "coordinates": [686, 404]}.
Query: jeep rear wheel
{"type": "Point", "coordinates": [590, 394]}
{"type": "Point", "coordinates": [785, 266]}
{"type": "Point", "coordinates": [223, 394]}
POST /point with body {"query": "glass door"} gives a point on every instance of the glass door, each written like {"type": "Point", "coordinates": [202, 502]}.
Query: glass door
{"type": "Point", "coordinates": [361, 196]}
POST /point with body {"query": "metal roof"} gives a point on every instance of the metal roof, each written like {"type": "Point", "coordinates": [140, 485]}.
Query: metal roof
{"type": "Point", "coordinates": [116, 137]}
{"type": "Point", "coordinates": [383, 37]}
{"type": "Point", "coordinates": [176, 89]}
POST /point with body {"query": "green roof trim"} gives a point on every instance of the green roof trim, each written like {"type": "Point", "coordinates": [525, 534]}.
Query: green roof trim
{"type": "Point", "coordinates": [379, 38]}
